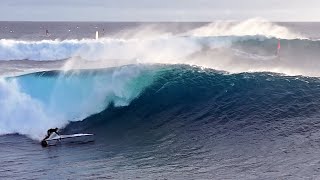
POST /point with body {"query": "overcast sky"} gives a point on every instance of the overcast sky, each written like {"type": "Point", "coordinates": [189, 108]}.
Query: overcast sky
{"type": "Point", "coordinates": [158, 10]}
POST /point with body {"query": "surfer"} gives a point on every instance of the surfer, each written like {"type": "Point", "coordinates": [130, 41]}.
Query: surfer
{"type": "Point", "coordinates": [49, 133]}
{"type": "Point", "coordinates": [47, 32]}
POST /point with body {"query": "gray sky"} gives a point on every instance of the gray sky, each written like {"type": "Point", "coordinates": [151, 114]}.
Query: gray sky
{"type": "Point", "coordinates": [158, 10]}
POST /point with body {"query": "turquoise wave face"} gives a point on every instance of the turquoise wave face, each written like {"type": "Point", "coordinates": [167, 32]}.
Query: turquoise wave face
{"type": "Point", "coordinates": [55, 98]}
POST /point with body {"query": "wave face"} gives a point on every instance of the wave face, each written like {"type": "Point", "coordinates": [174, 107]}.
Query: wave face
{"type": "Point", "coordinates": [204, 119]}
{"type": "Point", "coordinates": [186, 95]}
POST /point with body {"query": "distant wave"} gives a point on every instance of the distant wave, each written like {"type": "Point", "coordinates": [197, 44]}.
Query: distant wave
{"type": "Point", "coordinates": [110, 48]}
{"type": "Point", "coordinates": [227, 53]}
{"type": "Point", "coordinates": [145, 43]}
{"type": "Point", "coordinates": [247, 46]}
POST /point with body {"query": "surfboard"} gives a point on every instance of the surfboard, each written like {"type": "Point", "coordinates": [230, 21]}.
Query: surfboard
{"type": "Point", "coordinates": [61, 137]}
{"type": "Point", "coordinates": [58, 139]}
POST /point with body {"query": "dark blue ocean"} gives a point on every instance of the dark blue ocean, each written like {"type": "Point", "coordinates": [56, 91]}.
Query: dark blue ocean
{"type": "Point", "coordinates": [163, 100]}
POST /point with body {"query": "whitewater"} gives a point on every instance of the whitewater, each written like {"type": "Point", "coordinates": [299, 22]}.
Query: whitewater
{"type": "Point", "coordinates": [165, 96]}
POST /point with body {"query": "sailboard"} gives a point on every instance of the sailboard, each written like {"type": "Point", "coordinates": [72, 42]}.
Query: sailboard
{"type": "Point", "coordinates": [71, 138]}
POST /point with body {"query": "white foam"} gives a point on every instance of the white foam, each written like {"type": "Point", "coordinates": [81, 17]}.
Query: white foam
{"type": "Point", "coordinates": [20, 113]}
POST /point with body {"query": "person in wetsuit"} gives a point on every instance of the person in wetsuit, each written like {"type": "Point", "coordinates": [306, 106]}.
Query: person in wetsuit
{"type": "Point", "coordinates": [49, 132]}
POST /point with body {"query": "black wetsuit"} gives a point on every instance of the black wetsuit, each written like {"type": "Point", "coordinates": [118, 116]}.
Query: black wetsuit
{"type": "Point", "coordinates": [49, 132]}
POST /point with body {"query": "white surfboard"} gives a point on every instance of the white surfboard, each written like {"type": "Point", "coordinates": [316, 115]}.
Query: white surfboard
{"type": "Point", "coordinates": [56, 139]}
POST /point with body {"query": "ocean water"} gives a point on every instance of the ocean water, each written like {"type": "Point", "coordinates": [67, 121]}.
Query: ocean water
{"type": "Point", "coordinates": [163, 100]}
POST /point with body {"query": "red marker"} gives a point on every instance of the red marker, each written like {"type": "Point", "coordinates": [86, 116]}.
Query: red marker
{"type": "Point", "coordinates": [279, 47]}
